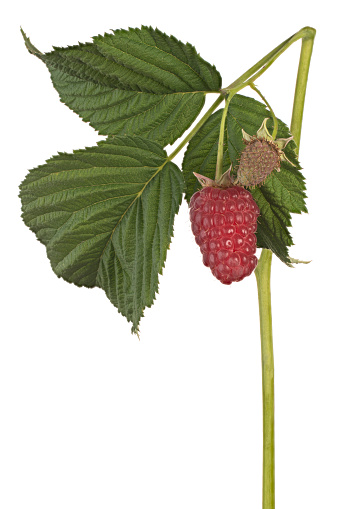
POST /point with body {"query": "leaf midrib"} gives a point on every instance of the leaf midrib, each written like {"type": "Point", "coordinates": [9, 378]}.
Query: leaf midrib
{"type": "Point", "coordinates": [155, 66]}
{"type": "Point", "coordinates": [130, 205]}
{"type": "Point", "coordinates": [134, 92]}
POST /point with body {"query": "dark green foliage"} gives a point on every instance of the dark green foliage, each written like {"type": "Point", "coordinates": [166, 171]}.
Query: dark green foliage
{"type": "Point", "coordinates": [136, 81]}
{"type": "Point", "coordinates": [106, 213]}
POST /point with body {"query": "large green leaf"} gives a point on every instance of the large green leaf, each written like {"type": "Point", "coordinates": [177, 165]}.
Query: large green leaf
{"type": "Point", "coordinates": [136, 81]}
{"type": "Point", "coordinates": [105, 215]}
{"type": "Point", "coordinates": [283, 192]}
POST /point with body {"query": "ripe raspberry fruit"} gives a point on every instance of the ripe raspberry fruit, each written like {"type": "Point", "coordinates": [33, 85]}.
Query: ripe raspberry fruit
{"type": "Point", "coordinates": [224, 222]}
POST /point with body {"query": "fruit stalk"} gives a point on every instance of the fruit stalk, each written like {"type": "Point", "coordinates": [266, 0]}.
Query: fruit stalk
{"type": "Point", "coordinates": [274, 118]}
{"type": "Point", "coordinates": [263, 276]}
{"type": "Point", "coordinates": [219, 166]}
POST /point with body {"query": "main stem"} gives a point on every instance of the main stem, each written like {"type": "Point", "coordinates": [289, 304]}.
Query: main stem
{"type": "Point", "coordinates": [263, 270]}
{"type": "Point", "coordinates": [300, 87]}
{"type": "Point", "coordinates": [263, 275]}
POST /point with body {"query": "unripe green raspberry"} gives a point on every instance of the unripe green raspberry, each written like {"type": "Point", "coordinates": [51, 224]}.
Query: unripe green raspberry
{"type": "Point", "coordinates": [257, 161]}
{"type": "Point", "coordinates": [260, 157]}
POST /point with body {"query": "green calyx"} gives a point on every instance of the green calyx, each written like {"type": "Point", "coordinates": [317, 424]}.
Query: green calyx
{"type": "Point", "coordinates": [223, 182]}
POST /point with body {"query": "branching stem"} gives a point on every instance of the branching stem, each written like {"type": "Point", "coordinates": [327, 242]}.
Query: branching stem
{"type": "Point", "coordinates": [307, 35]}
{"type": "Point", "coordinates": [263, 270]}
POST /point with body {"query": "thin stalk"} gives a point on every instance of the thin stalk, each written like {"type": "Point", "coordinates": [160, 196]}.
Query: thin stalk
{"type": "Point", "coordinates": [197, 127]}
{"type": "Point", "coordinates": [275, 121]}
{"type": "Point", "coordinates": [306, 34]}
{"type": "Point", "coordinates": [260, 67]}
{"type": "Point", "coordinates": [263, 276]}
{"type": "Point", "coordinates": [220, 155]}
{"type": "Point", "coordinates": [263, 61]}
{"type": "Point", "coordinates": [300, 88]}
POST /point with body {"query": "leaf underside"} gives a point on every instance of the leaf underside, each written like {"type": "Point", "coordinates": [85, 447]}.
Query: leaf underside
{"type": "Point", "coordinates": [137, 82]}
{"type": "Point", "coordinates": [105, 215]}
{"type": "Point", "coordinates": [283, 192]}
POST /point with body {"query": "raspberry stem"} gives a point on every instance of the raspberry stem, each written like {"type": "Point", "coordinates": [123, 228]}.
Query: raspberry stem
{"type": "Point", "coordinates": [306, 34]}
{"type": "Point", "coordinates": [300, 87]}
{"type": "Point", "coordinates": [275, 121]}
{"type": "Point", "coordinates": [220, 155]}
{"type": "Point", "coordinates": [263, 276]}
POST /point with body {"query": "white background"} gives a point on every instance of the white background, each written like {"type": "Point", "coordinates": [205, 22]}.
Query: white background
{"type": "Point", "coordinates": [91, 417]}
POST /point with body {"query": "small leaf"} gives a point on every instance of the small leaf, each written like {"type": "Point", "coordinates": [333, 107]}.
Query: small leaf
{"type": "Point", "coordinates": [201, 154]}
{"type": "Point", "coordinates": [139, 82]}
{"type": "Point", "coordinates": [105, 215]}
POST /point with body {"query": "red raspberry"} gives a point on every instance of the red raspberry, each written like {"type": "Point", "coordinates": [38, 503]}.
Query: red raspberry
{"type": "Point", "coordinates": [224, 222]}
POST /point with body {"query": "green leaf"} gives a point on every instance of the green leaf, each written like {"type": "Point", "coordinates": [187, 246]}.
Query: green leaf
{"type": "Point", "coordinates": [283, 192]}
{"type": "Point", "coordinates": [158, 117]}
{"type": "Point", "coordinates": [137, 81]}
{"type": "Point", "coordinates": [105, 215]}
{"type": "Point", "coordinates": [201, 154]}
{"type": "Point", "coordinates": [156, 62]}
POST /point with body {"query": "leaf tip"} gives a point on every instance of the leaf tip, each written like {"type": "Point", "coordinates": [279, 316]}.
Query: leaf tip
{"type": "Point", "coordinates": [30, 47]}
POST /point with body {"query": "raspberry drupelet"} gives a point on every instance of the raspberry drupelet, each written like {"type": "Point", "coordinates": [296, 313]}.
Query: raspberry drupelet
{"type": "Point", "coordinates": [224, 222]}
